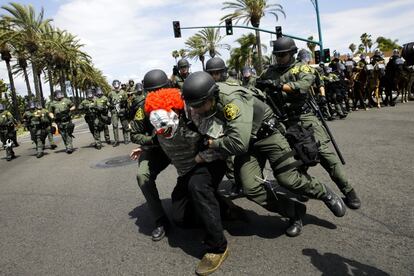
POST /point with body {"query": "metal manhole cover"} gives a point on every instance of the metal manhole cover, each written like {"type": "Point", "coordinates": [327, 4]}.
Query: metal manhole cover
{"type": "Point", "coordinates": [117, 161]}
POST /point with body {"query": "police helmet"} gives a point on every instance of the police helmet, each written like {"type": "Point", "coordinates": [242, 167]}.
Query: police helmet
{"type": "Point", "coordinates": [349, 56]}
{"type": "Point", "coordinates": [39, 105]}
{"type": "Point", "coordinates": [233, 73]}
{"type": "Point", "coordinates": [99, 92]}
{"type": "Point", "coordinates": [131, 82]}
{"type": "Point", "coordinates": [199, 87]}
{"type": "Point", "coordinates": [395, 52]}
{"type": "Point", "coordinates": [183, 63]}
{"type": "Point", "coordinates": [89, 93]}
{"type": "Point", "coordinates": [155, 79]}
{"type": "Point", "coordinates": [336, 54]}
{"type": "Point", "coordinates": [139, 88]}
{"type": "Point", "coordinates": [215, 64]}
{"type": "Point", "coordinates": [58, 95]}
{"type": "Point", "coordinates": [304, 55]}
{"type": "Point", "coordinates": [362, 56]}
{"type": "Point", "coordinates": [116, 84]}
{"type": "Point", "coordinates": [377, 52]}
{"type": "Point", "coordinates": [284, 45]}
{"type": "Point", "coordinates": [2, 108]}
{"type": "Point", "coordinates": [31, 106]}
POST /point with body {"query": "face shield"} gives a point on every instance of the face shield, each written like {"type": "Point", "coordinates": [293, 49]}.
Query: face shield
{"type": "Point", "coordinates": [282, 59]}
{"type": "Point", "coordinates": [164, 122]}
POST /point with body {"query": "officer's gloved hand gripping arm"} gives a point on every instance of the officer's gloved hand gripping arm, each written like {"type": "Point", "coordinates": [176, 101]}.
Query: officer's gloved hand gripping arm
{"type": "Point", "coordinates": [237, 129]}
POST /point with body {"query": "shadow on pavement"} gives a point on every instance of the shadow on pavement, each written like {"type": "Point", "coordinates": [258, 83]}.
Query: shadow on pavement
{"type": "Point", "coordinates": [64, 150]}
{"type": "Point", "coordinates": [333, 264]}
{"type": "Point", "coordinates": [189, 240]}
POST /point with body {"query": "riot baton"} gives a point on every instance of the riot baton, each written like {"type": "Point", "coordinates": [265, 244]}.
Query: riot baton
{"type": "Point", "coordinates": [315, 107]}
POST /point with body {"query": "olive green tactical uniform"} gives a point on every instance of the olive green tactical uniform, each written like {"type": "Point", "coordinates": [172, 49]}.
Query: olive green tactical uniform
{"type": "Point", "coordinates": [40, 125]}
{"type": "Point", "coordinates": [7, 131]}
{"type": "Point", "coordinates": [178, 81]}
{"type": "Point", "coordinates": [101, 120]}
{"type": "Point", "coordinates": [151, 163]}
{"type": "Point", "coordinates": [27, 116]}
{"type": "Point", "coordinates": [49, 131]}
{"type": "Point", "coordinates": [251, 83]}
{"type": "Point", "coordinates": [118, 105]}
{"type": "Point", "coordinates": [300, 78]}
{"type": "Point", "coordinates": [87, 107]}
{"type": "Point", "coordinates": [62, 117]}
{"type": "Point", "coordinates": [245, 137]}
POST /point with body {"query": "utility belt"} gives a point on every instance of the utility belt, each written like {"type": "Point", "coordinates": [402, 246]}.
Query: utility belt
{"type": "Point", "coordinates": [62, 118]}
{"type": "Point", "coordinates": [304, 109]}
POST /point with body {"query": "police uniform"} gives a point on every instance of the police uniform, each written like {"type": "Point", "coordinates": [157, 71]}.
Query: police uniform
{"type": "Point", "coordinates": [299, 78]}
{"type": "Point", "coordinates": [40, 122]}
{"type": "Point", "coordinates": [63, 119]}
{"type": "Point", "coordinates": [7, 132]}
{"type": "Point", "coordinates": [151, 163]}
{"type": "Point", "coordinates": [118, 102]}
{"type": "Point", "coordinates": [102, 120]}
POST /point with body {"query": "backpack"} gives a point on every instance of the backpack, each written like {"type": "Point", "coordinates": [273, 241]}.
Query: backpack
{"type": "Point", "coordinates": [302, 141]}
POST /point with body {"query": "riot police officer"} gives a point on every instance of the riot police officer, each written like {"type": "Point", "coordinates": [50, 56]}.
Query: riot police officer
{"type": "Point", "coordinates": [101, 118]}
{"type": "Point", "coordinates": [294, 80]}
{"type": "Point", "coordinates": [40, 123]}
{"type": "Point", "coordinates": [180, 73]}
{"type": "Point", "coordinates": [87, 107]}
{"type": "Point", "coordinates": [153, 160]}
{"type": "Point", "coordinates": [118, 103]}
{"type": "Point", "coordinates": [7, 131]}
{"type": "Point", "coordinates": [60, 110]}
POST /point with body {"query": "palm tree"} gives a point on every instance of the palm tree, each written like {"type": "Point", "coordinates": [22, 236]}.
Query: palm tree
{"type": "Point", "coordinates": [24, 20]}
{"type": "Point", "coordinates": [246, 54]}
{"type": "Point", "coordinates": [251, 11]}
{"type": "Point", "coordinates": [182, 53]}
{"type": "Point", "coordinates": [366, 40]}
{"type": "Point", "coordinates": [175, 55]}
{"type": "Point", "coordinates": [196, 48]}
{"type": "Point", "coordinates": [352, 47]}
{"type": "Point", "coordinates": [311, 46]}
{"type": "Point", "coordinates": [6, 34]}
{"type": "Point", "coordinates": [211, 38]}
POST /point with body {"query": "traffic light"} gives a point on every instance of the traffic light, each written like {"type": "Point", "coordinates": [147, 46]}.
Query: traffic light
{"type": "Point", "coordinates": [278, 31]}
{"type": "Point", "coordinates": [327, 55]}
{"type": "Point", "coordinates": [229, 27]}
{"type": "Point", "coordinates": [317, 56]}
{"type": "Point", "coordinates": [177, 29]}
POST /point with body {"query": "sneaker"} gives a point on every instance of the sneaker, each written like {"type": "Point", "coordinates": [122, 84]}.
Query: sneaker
{"type": "Point", "coordinates": [211, 262]}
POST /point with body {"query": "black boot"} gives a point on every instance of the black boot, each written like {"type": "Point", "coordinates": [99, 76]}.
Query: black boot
{"type": "Point", "coordinates": [352, 200]}
{"type": "Point", "coordinates": [115, 144]}
{"type": "Point", "coordinates": [39, 155]}
{"type": "Point", "coordinates": [160, 231]}
{"type": "Point", "coordinates": [334, 203]}
{"type": "Point", "coordinates": [53, 146]}
{"type": "Point", "coordinates": [295, 224]}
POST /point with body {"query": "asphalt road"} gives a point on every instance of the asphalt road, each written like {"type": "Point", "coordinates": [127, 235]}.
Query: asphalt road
{"type": "Point", "coordinates": [82, 214]}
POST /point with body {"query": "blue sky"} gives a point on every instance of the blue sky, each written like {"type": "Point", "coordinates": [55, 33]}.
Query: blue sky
{"type": "Point", "coordinates": [127, 38]}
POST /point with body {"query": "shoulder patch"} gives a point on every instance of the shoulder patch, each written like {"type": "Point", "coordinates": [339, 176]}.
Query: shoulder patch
{"type": "Point", "coordinates": [231, 111]}
{"type": "Point", "coordinates": [139, 115]}
{"type": "Point", "coordinates": [305, 69]}
{"type": "Point", "coordinates": [294, 70]}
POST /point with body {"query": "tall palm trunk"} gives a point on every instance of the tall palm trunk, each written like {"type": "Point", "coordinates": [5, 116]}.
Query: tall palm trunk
{"type": "Point", "coordinates": [36, 82]}
{"type": "Point", "coordinates": [259, 52]}
{"type": "Point", "coordinates": [50, 77]}
{"type": "Point", "coordinates": [62, 83]}
{"type": "Point", "coordinates": [42, 101]}
{"type": "Point", "coordinates": [13, 90]}
{"type": "Point", "coordinates": [202, 58]}
{"type": "Point", "coordinates": [26, 79]}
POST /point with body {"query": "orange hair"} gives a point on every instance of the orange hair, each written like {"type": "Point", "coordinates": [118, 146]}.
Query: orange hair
{"type": "Point", "coordinates": [164, 98]}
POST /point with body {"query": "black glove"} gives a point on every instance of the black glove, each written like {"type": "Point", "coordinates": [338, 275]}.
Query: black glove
{"type": "Point", "coordinates": [322, 100]}
{"type": "Point", "coordinates": [175, 70]}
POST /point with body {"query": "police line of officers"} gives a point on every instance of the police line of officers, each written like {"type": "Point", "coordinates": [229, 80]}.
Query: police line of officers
{"type": "Point", "coordinates": [212, 124]}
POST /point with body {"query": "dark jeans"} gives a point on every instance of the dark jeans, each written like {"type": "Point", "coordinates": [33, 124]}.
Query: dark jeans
{"type": "Point", "coordinates": [194, 201]}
